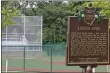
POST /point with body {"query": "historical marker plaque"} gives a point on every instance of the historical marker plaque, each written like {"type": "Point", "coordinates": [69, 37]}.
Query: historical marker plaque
{"type": "Point", "coordinates": [87, 44]}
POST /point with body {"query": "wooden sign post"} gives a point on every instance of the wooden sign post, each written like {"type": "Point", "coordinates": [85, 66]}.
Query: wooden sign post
{"type": "Point", "coordinates": [87, 41]}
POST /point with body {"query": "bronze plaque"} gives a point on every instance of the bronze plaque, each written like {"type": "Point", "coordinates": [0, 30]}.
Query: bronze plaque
{"type": "Point", "coordinates": [87, 44]}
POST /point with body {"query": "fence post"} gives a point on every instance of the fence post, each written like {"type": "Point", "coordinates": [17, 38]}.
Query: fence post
{"type": "Point", "coordinates": [24, 58]}
{"type": "Point", "coordinates": [51, 60]}
{"type": "Point", "coordinates": [107, 68]}
{"type": "Point", "coordinates": [6, 64]}
{"type": "Point", "coordinates": [93, 70]}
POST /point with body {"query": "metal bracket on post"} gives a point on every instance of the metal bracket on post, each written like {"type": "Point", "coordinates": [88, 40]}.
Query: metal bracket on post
{"type": "Point", "coordinates": [88, 68]}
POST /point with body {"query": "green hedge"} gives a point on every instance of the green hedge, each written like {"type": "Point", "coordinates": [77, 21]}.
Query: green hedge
{"type": "Point", "coordinates": [56, 49]}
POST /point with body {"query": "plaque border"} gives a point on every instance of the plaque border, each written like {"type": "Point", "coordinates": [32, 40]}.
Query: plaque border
{"type": "Point", "coordinates": [86, 63]}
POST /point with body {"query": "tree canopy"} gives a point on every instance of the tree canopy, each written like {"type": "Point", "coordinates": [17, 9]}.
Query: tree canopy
{"type": "Point", "coordinates": [8, 12]}
{"type": "Point", "coordinates": [55, 15]}
{"type": "Point", "coordinates": [103, 6]}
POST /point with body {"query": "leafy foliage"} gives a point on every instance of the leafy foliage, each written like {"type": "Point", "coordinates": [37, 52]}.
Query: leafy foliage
{"type": "Point", "coordinates": [103, 6]}
{"type": "Point", "coordinates": [55, 15]}
{"type": "Point", "coordinates": [8, 12]}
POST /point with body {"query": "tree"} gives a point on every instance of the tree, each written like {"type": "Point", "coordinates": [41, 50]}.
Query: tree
{"type": "Point", "coordinates": [8, 12]}
{"type": "Point", "coordinates": [55, 15]}
{"type": "Point", "coordinates": [103, 6]}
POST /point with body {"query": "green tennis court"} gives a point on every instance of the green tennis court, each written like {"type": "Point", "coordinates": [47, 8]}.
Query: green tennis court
{"type": "Point", "coordinates": [44, 64]}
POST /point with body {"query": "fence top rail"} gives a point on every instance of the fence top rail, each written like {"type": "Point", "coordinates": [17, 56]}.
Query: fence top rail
{"type": "Point", "coordinates": [32, 45]}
